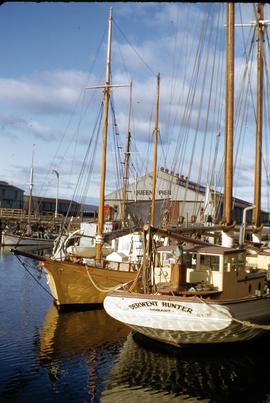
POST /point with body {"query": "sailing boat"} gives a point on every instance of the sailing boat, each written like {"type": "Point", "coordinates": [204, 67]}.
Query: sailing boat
{"type": "Point", "coordinates": [212, 296]}
{"type": "Point", "coordinates": [77, 281]}
{"type": "Point", "coordinates": [28, 238]}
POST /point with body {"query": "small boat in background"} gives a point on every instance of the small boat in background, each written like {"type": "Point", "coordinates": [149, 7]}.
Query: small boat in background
{"type": "Point", "coordinates": [36, 239]}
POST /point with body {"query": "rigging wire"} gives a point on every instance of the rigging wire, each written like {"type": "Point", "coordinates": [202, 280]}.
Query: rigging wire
{"type": "Point", "coordinates": [57, 160]}
{"type": "Point", "coordinates": [200, 172]}
{"type": "Point", "coordinates": [93, 139]}
{"type": "Point", "coordinates": [116, 152]}
{"type": "Point", "coordinates": [132, 47]}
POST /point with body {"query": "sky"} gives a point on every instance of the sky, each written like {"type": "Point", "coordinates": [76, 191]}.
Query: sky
{"type": "Point", "coordinates": [51, 53]}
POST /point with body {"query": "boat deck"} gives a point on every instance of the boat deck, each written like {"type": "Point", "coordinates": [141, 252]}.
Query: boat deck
{"type": "Point", "coordinates": [186, 293]}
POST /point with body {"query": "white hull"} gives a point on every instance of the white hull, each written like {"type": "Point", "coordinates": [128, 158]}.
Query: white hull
{"type": "Point", "coordinates": [87, 251]}
{"type": "Point", "coordinates": [17, 240]}
{"type": "Point", "coordinates": [180, 320]}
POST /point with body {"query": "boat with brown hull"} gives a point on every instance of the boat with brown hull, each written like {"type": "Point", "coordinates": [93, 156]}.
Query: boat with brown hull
{"type": "Point", "coordinates": [76, 284]}
{"type": "Point", "coordinates": [82, 283]}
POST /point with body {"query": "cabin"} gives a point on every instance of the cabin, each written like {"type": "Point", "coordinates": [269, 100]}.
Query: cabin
{"type": "Point", "coordinates": [214, 270]}
{"type": "Point", "coordinates": [210, 268]}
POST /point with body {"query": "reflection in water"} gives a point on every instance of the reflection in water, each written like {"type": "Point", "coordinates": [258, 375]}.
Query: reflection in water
{"type": "Point", "coordinates": [6, 250]}
{"type": "Point", "coordinates": [75, 333]}
{"type": "Point", "coordinates": [216, 374]}
{"type": "Point", "coordinates": [86, 339]}
{"type": "Point", "coordinates": [47, 356]}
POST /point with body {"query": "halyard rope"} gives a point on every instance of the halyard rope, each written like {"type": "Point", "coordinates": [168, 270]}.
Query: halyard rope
{"type": "Point", "coordinates": [29, 272]}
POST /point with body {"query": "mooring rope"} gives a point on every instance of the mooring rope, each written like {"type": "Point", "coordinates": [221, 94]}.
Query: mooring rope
{"type": "Point", "coordinates": [29, 272]}
{"type": "Point", "coordinates": [245, 323]}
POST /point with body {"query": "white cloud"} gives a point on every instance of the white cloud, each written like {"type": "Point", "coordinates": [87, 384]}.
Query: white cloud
{"type": "Point", "coordinates": [15, 126]}
{"type": "Point", "coordinates": [169, 46]}
{"type": "Point", "coordinates": [45, 92]}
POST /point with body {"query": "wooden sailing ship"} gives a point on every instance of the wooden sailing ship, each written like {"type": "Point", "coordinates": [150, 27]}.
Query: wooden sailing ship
{"type": "Point", "coordinates": [213, 297]}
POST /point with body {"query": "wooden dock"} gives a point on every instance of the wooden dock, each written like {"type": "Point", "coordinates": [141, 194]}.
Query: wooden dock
{"type": "Point", "coordinates": [11, 217]}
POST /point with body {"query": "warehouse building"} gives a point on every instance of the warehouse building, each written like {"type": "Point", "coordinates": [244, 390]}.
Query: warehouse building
{"type": "Point", "coordinates": [178, 201]}
{"type": "Point", "coordinates": [11, 197]}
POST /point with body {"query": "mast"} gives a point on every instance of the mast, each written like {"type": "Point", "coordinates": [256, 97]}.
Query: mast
{"type": "Point", "coordinates": [155, 155]}
{"type": "Point", "coordinates": [258, 163]}
{"type": "Point", "coordinates": [31, 185]}
{"type": "Point", "coordinates": [229, 119]}
{"type": "Point", "coordinates": [127, 155]}
{"type": "Point", "coordinates": [99, 238]}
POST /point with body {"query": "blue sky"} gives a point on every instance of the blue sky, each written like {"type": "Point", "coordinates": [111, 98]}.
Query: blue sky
{"type": "Point", "coordinates": [50, 52]}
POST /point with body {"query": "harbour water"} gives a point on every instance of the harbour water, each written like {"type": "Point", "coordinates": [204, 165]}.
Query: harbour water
{"type": "Point", "coordinates": [86, 356]}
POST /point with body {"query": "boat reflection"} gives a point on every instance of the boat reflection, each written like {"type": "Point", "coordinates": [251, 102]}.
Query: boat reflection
{"type": "Point", "coordinates": [76, 333]}
{"type": "Point", "coordinates": [220, 374]}
{"type": "Point", "coordinates": [6, 250]}
{"type": "Point", "coordinates": [83, 343]}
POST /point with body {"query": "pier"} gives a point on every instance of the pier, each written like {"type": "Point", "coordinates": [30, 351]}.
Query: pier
{"type": "Point", "coordinates": [12, 217]}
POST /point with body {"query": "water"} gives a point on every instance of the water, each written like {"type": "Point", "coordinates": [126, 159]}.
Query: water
{"type": "Point", "coordinates": [47, 356]}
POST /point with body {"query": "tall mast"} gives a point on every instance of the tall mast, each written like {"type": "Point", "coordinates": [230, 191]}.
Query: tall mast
{"type": "Point", "coordinates": [258, 163]}
{"type": "Point", "coordinates": [155, 155]}
{"type": "Point", "coordinates": [31, 184]}
{"type": "Point", "coordinates": [229, 120]}
{"type": "Point", "coordinates": [127, 155]}
{"type": "Point", "coordinates": [99, 239]}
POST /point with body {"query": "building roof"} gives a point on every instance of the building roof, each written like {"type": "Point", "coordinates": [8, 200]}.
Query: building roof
{"type": "Point", "coordinates": [51, 200]}
{"type": "Point", "coordinates": [7, 185]}
{"type": "Point", "coordinates": [89, 208]}
{"type": "Point", "coordinates": [184, 182]}
{"type": "Point", "coordinates": [211, 249]}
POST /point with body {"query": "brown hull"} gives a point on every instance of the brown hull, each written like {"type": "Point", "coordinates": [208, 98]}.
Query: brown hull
{"type": "Point", "coordinates": [77, 284]}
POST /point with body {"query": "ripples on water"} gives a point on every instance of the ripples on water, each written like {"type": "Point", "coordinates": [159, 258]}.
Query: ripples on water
{"type": "Point", "coordinates": [47, 356]}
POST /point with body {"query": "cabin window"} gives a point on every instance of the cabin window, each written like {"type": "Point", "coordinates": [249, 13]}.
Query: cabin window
{"type": "Point", "coordinates": [209, 262]}
{"type": "Point", "coordinates": [188, 260]}
{"type": "Point", "coordinates": [234, 262]}
{"type": "Point", "coordinates": [229, 263]}
{"type": "Point", "coordinates": [241, 261]}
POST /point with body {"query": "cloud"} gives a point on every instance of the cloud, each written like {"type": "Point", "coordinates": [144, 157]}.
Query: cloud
{"type": "Point", "coordinates": [15, 126]}
{"type": "Point", "coordinates": [169, 46]}
{"type": "Point", "coordinates": [45, 92]}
